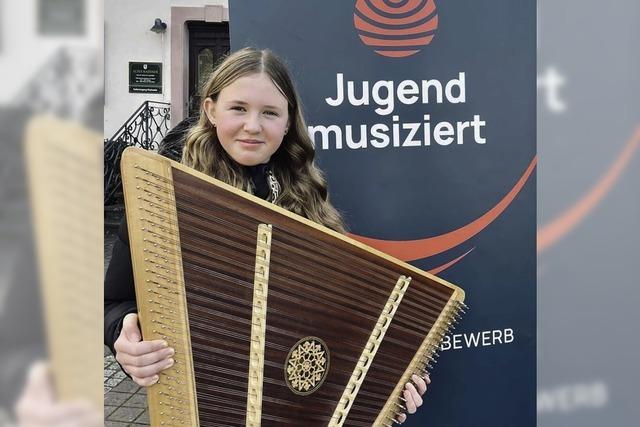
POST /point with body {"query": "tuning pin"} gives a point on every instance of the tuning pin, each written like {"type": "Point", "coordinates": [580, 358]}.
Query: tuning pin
{"type": "Point", "coordinates": [403, 408]}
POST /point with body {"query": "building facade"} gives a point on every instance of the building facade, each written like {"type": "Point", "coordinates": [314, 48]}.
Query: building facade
{"type": "Point", "coordinates": [179, 40]}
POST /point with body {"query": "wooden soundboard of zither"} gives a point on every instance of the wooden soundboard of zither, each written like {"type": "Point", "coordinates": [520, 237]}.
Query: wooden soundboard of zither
{"type": "Point", "coordinates": [242, 288]}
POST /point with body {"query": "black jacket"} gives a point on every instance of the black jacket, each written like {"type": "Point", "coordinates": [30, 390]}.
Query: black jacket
{"type": "Point", "coordinates": [119, 290]}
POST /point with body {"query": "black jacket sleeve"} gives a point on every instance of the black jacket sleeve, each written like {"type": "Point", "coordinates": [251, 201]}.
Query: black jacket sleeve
{"type": "Point", "coordinates": [119, 288]}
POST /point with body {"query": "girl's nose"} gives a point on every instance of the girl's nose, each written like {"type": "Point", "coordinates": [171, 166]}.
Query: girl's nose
{"type": "Point", "coordinates": [252, 124]}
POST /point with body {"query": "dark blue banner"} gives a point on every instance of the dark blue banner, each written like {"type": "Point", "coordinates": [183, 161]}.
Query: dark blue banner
{"type": "Point", "coordinates": [424, 118]}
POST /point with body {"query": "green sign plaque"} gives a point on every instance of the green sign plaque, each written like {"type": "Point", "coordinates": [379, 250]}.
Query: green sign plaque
{"type": "Point", "coordinates": [145, 77]}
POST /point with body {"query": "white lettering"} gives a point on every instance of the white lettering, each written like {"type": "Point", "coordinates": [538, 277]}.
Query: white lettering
{"type": "Point", "coordinates": [386, 102]}
{"type": "Point", "coordinates": [443, 129]}
{"type": "Point", "coordinates": [446, 343]}
{"type": "Point", "coordinates": [570, 398]}
{"type": "Point", "coordinates": [379, 132]}
{"type": "Point", "coordinates": [496, 336]}
{"type": "Point", "coordinates": [408, 87]}
{"type": "Point", "coordinates": [457, 342]}
{"type": "Point", "coordinates": [458, 83]}
{"type": "Point", "coordinates": [551, 82]}
{"type": "Point", "coordinates": [461, 127]}
{"type": "Point", "coordinates": [364, 100]}
{"type": "Point", "coordinates": [477, 339]}
{"type": "Point", "coordinates": [324, 131]}
{"type": "Point", "coordinates": [486, 338]}
{"type": "Point", "coordinates": [426, 84]}
{"type": "Point", "coordinates": [339, 92]}
{"type": "Point", "coordinates": [471, 340]}
{"type": "Point", "coordinates": [396, 131]}
{"type": "Point", "coordinates": [363, 137]}
{"type": "Point", "coordinates": [427, 130]}
{"type": "Point", "coordinates": [408, 92]}
{"type": "Point", "coordinates": [508, 336]}
{"type": "Point", "coordinates": [413, 129]}
{"type": "Point", "coordinates": [394, 134]}
{"type": "Point", "coordinates": [477, 124]}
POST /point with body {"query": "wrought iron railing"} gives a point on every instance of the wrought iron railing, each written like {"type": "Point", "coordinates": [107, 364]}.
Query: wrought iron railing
{"type": "Point", "coordinates": [145, 129]}
{"type": "Point", "coordinates": [65, 85]}
{"type": "Point", "coordinates": [68, 84]}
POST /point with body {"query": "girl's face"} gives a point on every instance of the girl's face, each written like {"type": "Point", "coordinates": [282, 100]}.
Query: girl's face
{"type": "Point", "coordinates": [250, 117]}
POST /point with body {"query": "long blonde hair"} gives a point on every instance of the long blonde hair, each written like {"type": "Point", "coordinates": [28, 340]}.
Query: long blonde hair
{"type": "Point", "coordinates": [304, 190]}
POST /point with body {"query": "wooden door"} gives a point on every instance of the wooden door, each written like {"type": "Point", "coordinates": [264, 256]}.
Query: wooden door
{"type": "Point", "coordinates": [208, 42]}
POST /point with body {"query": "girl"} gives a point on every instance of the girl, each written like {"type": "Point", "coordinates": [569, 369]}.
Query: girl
{"type": "Point", "coordinates": [250, 134]}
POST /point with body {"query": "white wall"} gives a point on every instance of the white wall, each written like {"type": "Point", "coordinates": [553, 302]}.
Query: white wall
{"type": "Point", "coordinates": [128, 38]}
{"type": "Point", "coordinates": [24, 51]}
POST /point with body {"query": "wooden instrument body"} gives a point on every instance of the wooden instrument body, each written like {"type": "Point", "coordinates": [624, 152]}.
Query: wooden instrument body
{"type": "Point", "coordinates": [375, 320]}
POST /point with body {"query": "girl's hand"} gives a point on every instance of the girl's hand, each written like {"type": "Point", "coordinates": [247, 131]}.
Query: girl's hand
{"type": "Point", "coordinates": [143, 360]}
{"type": "Point", "coordinates": [413, 395]}
{"type": "Point", "coordinates": [38, 406]}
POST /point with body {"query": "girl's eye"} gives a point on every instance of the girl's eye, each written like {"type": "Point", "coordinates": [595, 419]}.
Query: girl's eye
{"type": "Point", "coordinates": [237, 108]}
{"type": "Point", "coordinates": [271, 113]}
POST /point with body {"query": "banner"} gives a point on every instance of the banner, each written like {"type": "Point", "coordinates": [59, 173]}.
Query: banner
{"type": "Point", "coordinates": [423, 115]}
{"type": "Point", "coordinates": [589, 214]}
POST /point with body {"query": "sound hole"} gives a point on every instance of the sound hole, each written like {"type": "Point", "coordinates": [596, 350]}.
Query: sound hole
{"type": "Point", "coordinates": [307, 365]}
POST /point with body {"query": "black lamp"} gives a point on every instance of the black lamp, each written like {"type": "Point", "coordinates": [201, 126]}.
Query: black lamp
{"type": "Point", "coordinates": [159, 26]}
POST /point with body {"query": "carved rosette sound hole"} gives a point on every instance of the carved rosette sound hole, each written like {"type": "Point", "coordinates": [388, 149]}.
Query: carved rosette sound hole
{"type": "Point", "coordinates": [307, 365]}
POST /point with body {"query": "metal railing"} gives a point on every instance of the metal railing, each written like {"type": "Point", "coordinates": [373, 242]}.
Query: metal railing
{"type": "Point", "coordinates": [145, 129]}
{"type": "Point", "coordinates": [65, 85]}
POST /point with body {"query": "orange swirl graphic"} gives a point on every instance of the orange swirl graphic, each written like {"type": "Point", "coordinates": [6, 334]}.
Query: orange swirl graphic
{"type": "Point", "coordinates": [408, 6]}
{"type": "Point", "coordinates": [396, 28]}
{"type": "Point", "coordinates": [430, 25]}
{"type": "Point", "coordinates": [411, 250]}
{"type": "Point", "coordinates": [550, 233]}
{"type": "Point", "coordinates": [445, 266]}
{"type": "Point", "coordinates": [423, 13]}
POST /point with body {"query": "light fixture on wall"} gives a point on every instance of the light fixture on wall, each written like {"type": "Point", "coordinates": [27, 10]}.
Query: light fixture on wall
{"type": "Point", "coordinates": [159, 26]}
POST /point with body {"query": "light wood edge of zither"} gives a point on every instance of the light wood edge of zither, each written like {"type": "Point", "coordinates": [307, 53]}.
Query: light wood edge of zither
{"type": "Point", "coordinates": [417, 363]}
{"type": "Point", "coordinates": [45, 134]}
{"type": "Point", "coordinates": [459, 292]}
{"type": "Point", "coordinates": [130, 158]}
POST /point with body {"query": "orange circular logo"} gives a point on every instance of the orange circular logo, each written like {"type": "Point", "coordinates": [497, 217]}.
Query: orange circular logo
{"type": "Point", "coordinates": [396, 28]}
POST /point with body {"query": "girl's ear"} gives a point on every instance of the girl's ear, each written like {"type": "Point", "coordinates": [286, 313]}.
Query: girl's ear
{"type": "Point", "coordinates": [210, 110]}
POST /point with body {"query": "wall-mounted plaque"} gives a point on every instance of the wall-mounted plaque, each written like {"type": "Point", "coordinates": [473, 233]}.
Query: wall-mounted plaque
{"type": "Point", "coordinates": [145, 77]}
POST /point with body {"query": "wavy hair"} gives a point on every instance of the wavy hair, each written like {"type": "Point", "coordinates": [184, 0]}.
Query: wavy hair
{"type": "Point", "coordinates": [304, 189]}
